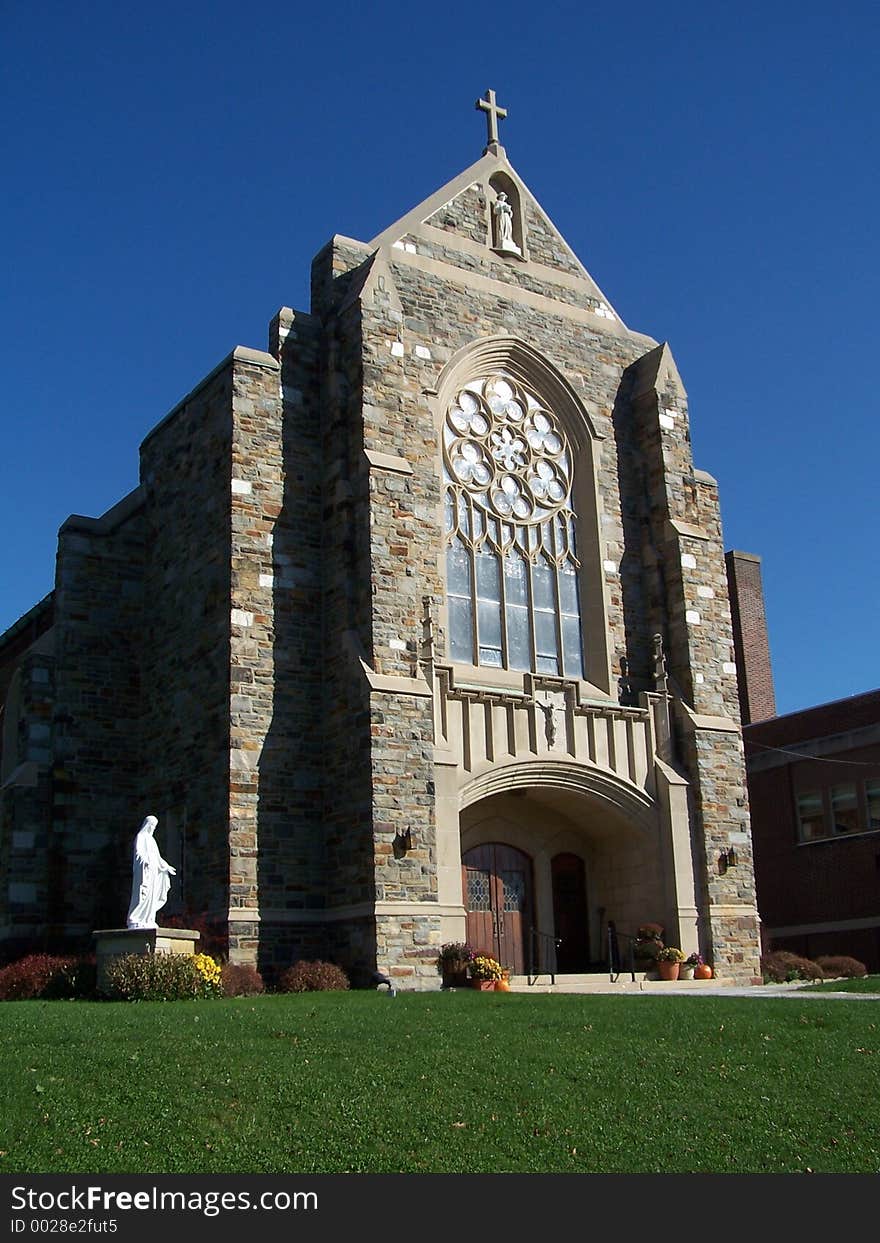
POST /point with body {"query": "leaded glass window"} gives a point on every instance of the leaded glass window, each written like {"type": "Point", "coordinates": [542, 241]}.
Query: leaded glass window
{"type": "Point", "coordinates": [478, 896]}
{"type": "Point", "coordinates": [511, 560]}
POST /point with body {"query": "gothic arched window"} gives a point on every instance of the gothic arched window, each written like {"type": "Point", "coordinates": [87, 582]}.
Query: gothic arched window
{"type": "Point", "coordinates": [511, 555]}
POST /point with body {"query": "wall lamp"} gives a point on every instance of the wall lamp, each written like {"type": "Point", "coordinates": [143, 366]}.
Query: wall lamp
{"type": "Point", "coordinates": [402, 844]}
{"type": "Point", "coordinates": [727, 860]}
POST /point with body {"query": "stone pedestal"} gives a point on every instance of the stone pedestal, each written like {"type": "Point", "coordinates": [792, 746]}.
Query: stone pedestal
{"type": "Point", "coordinates": [116, 942]}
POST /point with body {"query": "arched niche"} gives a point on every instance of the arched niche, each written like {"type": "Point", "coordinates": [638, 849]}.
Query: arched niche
{"type": "Point", "coordinates": [501, 184]}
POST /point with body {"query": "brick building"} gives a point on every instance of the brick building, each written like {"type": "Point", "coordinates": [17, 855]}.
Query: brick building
{"type": "Point", "coordinates": [814, 788]}
{"type": "Point", "coordinates": [814, 795]}
{"type": "Point", "coordinates": [416, 627]}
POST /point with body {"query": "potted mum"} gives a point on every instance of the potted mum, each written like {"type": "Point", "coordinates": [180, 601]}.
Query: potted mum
{"type": "Point", "coordinates": [452, 962]}
{"type": "Point", "coordinates": [686, 970]}
{"type": "Point", "coordinates": [484, 971]}
{"type": "Point", "coordinates": [669, 960]}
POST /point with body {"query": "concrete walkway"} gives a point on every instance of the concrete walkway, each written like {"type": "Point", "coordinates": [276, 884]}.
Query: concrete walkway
{"type": "Point", "coordinates": [701, 988]}
{"type": "Point", "coordinates": [798, 989]}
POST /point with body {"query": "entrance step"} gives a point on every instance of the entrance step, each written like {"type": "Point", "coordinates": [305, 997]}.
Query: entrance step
{"type": "Point", "coordinates": [602, 984]}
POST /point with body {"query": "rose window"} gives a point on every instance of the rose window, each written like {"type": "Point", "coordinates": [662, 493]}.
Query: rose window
{"type": "Point", "coordinates": [502, 443]}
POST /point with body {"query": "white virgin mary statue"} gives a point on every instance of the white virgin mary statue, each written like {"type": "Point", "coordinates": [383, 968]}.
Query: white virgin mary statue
{"type": "Point", "coordinates": [151, 878]}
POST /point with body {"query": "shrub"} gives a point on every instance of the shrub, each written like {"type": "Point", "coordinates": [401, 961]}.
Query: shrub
{"type": "Point", "coordinates": [75, 981]}
{"type": "Point", "coordinates": [780, 967]}
{"type": "Point", "coordinates": [837, 965]}
{"type": "Point", "coordinates": [312, 977]}
{"type": "Point", "coordinates": [32, 976]}
{"type": "Point", "coordinates": [240, 980]}
{"type": "Point", "coordinates": [154, 977]}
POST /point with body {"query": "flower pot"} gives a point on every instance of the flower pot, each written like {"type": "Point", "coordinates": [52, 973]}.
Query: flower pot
{"type": "Point", "coordinates": [685, 972]}
{"type": "Point", "coordinates": [455, 978]}
{"type": "Point", "coordinates": [483, 986]}
{"type": "Point", "coordinates": [668, 970]}
{"type": "Point", "coordinates": [703, 971]}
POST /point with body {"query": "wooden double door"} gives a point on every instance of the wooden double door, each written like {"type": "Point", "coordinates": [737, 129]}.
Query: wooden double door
{"type": "Point", "coordinates": [499, 898]}
{"type": "Point", "coordinates": [498, 887]}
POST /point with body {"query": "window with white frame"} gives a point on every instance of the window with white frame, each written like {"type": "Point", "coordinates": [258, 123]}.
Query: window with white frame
{"type": "Point", "coordinates": [811, 816]}
{"type": "Point", "coordinates": [511, 556]}
{"type": "Point", "coordinates": [845, 808]}
{"type": "Point", "coordinates": [838, 810]}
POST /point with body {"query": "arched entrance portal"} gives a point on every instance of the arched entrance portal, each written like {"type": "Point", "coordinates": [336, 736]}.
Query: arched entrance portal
{"type": "Point", "coordinates": [547, 863]}
{"type": "Point", "coordinates": [497, 884]}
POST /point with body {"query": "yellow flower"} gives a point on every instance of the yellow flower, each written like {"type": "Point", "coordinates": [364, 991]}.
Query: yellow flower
{"type": "Point", "coordinates": [207, 968]}
{"type": "Point", "coordinates": [485, 968]}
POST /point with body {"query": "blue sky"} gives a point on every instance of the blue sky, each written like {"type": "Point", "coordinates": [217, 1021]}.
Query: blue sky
{"type": "Point", "coordinates": [170, 171]}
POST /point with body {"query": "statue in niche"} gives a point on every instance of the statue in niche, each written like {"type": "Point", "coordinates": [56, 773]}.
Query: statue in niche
{"type": "Point", "coordinates": [503, 213]}
{"type": "Point", "coordinates": [151, 878]}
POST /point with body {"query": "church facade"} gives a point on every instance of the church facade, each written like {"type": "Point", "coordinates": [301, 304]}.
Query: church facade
{"type": "Point", "coordinates": [416, 629]}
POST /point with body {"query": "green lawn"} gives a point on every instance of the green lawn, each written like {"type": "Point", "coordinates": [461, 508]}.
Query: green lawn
{"type": "Point", "coordinates": [864, 984]}
{"type": "Point", "coordinates": [453, 1082]}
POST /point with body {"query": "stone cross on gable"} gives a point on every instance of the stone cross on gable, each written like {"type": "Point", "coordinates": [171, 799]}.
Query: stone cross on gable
{"type": "Point", "coordinates": [493, 113]}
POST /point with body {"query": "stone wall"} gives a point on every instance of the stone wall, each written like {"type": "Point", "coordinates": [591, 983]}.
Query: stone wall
{"type": "Point", "coordinates": [467, 214]}
{"type": "Point", "coordinates": [277, 864]}
{"type": "Point", "coordinates": [98, 629]}
{"type": "Point", "coordinates": [688, 604]}
{"type": "Point", "coordinates": [186, 475]}
{"type": "Point", "coordinates": [70, 766]}
{"type": "Point", "coordinates": [27, 679]}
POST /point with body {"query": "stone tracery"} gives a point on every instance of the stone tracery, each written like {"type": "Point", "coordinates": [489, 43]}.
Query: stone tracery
{"type": "Point", "coordinates": [507, 450]}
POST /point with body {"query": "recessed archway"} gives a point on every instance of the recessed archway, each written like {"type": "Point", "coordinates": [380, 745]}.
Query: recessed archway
{"type": "Point", "coordinates": [589, 862]}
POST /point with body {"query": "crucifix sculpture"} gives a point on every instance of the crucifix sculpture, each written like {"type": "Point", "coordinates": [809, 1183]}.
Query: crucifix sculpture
{"type": "Point", "coordinates": [493, 114]}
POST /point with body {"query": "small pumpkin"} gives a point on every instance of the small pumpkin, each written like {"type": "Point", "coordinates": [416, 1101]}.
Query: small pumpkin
{"type": "Point", "coordinates": [702, 971]}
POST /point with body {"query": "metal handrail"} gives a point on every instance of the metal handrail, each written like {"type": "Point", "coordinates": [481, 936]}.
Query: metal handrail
{"type": "Point", "coordinates": [615, 962]}
{"type": "Point", "coordinates": [550, 944]}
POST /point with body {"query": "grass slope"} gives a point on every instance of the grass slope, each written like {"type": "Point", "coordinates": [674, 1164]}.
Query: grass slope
{"type": "Point", "coordinates": [457, 1082]}
{"type": "Point", "coordinates": [862, 984]}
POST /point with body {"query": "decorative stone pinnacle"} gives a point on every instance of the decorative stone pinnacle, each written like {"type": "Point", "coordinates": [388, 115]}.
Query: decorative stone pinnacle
{"type": "Point", "coordinates": [493, 114]}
